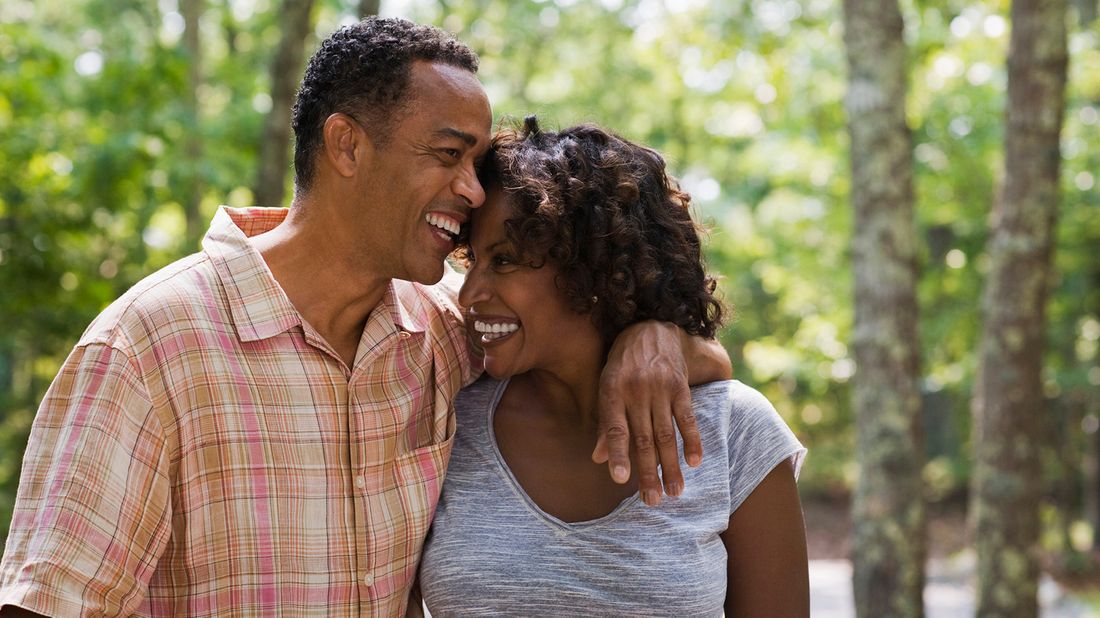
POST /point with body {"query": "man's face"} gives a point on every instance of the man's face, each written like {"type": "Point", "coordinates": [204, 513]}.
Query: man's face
{"type": "Point", "coordinates": [421, 185]}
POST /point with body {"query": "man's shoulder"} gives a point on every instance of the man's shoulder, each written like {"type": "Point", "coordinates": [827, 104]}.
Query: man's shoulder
{"type": "Point", "coordinates": [433, 305]}
{"type": "Point", "coordinates": [178, 289]}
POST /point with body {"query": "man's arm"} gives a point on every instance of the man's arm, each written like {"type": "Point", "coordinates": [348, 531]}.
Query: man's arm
{"type": "Point", "coordinates": [93, 514]}
{"type": "Point", "coordinates": [707, 359]}
{"type": "Point", "coordinates": [645, 397]}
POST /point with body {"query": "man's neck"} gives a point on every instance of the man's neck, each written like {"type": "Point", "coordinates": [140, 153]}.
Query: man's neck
{"type": "Point", "coordinates": [319, 277]}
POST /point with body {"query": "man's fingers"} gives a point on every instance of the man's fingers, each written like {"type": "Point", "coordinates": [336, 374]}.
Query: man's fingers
{"type": "Point", "coordinates": [645, 456]}
{"type": "Point", "coordinates": [599, 454]}
{"type": "Point", "coordinates": [664, 436]}
{"type": "Point", "coordinates": [612, 443]}
{"type": "Point", "coordinates": [618, 453]}
{"type": "Point", "coordinates": [689, 431]}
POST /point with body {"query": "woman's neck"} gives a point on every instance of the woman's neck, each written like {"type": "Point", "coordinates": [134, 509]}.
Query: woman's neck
{"type": "Point", "coordinates": [571, 393]}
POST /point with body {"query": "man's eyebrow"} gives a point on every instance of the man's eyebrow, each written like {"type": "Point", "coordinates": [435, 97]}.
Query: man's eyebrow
{"type": "Point", "coordinates": [462, 135]}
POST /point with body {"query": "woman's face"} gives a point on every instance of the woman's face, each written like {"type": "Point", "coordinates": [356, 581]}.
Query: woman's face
{"type": "Point", "coordinates": [516, 311]}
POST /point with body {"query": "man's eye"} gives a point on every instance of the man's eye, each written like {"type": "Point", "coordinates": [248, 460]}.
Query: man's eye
{"type": "Point", "coordinates": [451, 153]}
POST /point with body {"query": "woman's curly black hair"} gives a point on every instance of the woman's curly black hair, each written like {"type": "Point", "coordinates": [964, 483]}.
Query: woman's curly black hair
{"type": "Point", "coordinates": [616, 225]}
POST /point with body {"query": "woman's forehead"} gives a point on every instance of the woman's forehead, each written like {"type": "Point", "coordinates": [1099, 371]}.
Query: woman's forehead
{"type": "Point", "coordinates": [487, 222]}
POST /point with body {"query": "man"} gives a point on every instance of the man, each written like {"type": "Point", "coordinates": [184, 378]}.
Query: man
{"type": "Point", "coordinates": [262, 428]}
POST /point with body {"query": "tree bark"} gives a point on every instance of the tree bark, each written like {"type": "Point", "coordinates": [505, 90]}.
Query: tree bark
{"type": "Point", "coordinates": [1086, 12]}
{"type": "Point", "coordinates": [1008, 398]}
{"type": "Point", "coordinates": [368, 8]}
{"type": "Point", "coordinates": [296, 23]}
{"type": "Point", "coordinates": [1090, 473]}
{"type": "Point", "coordinates": [193, 146]}
{"type": "Point", "coordinates": [888, 511]}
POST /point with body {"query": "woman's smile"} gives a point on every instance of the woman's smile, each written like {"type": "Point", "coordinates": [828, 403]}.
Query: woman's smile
{"type": "Point", "coordinates": [494, 330]}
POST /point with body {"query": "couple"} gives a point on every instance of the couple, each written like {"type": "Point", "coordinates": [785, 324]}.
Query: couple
{"type": "Point", "coordinates": [264, 427]}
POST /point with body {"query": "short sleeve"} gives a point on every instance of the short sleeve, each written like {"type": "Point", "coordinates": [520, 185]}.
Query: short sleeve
{"type": "Point", "coordinates": [447, 293]}
{"type": "Point", "coordinates": [758, 441]}
{"type": "Point", "coordinates": [92, 513]}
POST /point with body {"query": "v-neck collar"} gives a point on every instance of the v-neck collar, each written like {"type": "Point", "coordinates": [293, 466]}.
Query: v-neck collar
{"type": "Point", "coordinates": [560, 526]}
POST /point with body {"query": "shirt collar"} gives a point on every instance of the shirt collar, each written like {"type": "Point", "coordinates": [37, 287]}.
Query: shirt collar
{"type": "Point", "coordinates": [259, 307]}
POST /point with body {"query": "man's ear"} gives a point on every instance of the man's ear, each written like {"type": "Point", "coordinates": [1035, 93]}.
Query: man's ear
{"type": "Point", "coordinates": [346, 144]}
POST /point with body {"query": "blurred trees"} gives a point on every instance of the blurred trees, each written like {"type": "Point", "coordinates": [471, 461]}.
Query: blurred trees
{"type": "Point", "coordinates": [745, 99]}
{"type": "Point", "coordinates": [368, 8]}
{"type": "Point", "coordinates": [1008, 398]}
{"type": "Point", "coordinates": [888, 544]}
{"type": "Point", "coordinates": [295, 26]}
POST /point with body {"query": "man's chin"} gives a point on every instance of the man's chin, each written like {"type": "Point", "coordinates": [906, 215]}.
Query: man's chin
{"type": "Point", "coordinates": [428, 277]}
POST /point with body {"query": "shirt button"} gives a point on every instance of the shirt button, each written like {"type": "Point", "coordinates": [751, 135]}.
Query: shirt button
{"type": "Point", "coordinates": [360, 482]}
{"type": "Point", "coordinates": [405, 334]}
{"type": "Point", "coordinates": [368, 579]}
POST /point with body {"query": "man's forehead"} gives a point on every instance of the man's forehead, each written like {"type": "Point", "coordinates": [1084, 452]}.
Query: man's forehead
{"type": "Point", "coordinates": [440, 87]}
{"type": "Point", "coordinates": [431, 79]}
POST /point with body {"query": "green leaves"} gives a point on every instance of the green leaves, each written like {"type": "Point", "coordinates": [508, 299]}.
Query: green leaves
{"type": "Point", "coordinates": [745, 100]}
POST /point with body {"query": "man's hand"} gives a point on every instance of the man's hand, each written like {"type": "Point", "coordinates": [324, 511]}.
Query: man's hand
{"type": "Point", "coordinates": [644, 386]}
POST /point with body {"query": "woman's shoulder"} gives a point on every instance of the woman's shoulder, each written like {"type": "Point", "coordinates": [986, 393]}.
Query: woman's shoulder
{"type": "Point", "coordinates": [483, 388]}
{"type": "Point", "coordinates": [478, 398]}
{"type": "Point", "coordinates": [743, 417]}
{"type": "Point", "coordinates": [730, 399]}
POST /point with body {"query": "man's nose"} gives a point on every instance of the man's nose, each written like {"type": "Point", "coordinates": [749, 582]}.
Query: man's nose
{"type": "Point", "coordinates": [469, 188]}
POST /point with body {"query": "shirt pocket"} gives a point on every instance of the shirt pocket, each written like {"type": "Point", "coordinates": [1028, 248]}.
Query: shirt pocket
{"type": "Point", "coordinates": [418, 481]}
{"type": "Point", "coordinates": [419, 475]}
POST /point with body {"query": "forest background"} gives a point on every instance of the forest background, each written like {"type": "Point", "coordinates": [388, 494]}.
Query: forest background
{"type": "Point", "coordinates": [125, 123]}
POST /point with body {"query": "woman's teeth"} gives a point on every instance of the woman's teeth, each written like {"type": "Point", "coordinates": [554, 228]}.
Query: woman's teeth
{"type": "Point", "coordinates": [444, 223]}
{"type": "Point", "coordinates": [496, 330]}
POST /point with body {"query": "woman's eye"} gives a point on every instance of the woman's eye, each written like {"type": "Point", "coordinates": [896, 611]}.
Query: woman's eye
{"type": "Point", "coordinates": [503, 263]}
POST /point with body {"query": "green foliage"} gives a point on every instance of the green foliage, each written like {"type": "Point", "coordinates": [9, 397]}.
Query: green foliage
{"type": "Point", "coordinates": [744, 98]}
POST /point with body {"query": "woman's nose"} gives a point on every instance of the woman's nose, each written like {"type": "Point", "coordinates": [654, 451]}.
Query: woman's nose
{"type": "Point", "coordinates": [474, 289]}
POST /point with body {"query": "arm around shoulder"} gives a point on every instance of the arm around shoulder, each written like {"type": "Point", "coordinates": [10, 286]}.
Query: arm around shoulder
{"type": "Point", "coordinates": [707, 360]}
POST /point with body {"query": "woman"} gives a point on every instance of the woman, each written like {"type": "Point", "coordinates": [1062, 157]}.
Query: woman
{"type": "Point", "coordinates": [582, 234]}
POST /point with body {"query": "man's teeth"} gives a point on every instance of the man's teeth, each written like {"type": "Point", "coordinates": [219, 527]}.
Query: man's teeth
{"type": "Point", "coordinates": [444, 223]}
{"type": "Point", "coordinates": [495, 330]}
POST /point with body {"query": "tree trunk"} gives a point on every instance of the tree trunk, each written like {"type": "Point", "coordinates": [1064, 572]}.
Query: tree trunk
{"type": "Point", "coordinates": [1090, 475]}
{"type": "Point", "coordinates": [192, 198]}
{"type": "Point", "coordinates": [1008, 399]}
{"type": "Point", "coordinates": [888, 510]}
{"type": "Point", "coordinates": [1086, 12]}
{"type": "Point", "coordinates": [1090, 481]}
{"type": "Point", "coordinates": [368, 8]}
{"type": "Point", "coordinates": [296, 22]}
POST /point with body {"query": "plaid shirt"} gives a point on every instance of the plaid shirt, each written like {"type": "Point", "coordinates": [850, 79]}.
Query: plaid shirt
{"type": "Point", "coordinates": [204, 451]}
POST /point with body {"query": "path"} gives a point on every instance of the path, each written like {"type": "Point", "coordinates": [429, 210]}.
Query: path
{"type": "Point", "coordinates": [949, 592]}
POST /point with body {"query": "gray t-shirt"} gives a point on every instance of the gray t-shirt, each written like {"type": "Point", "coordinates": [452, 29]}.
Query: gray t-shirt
{"type": "Point", "coordinates": [493, 551]}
